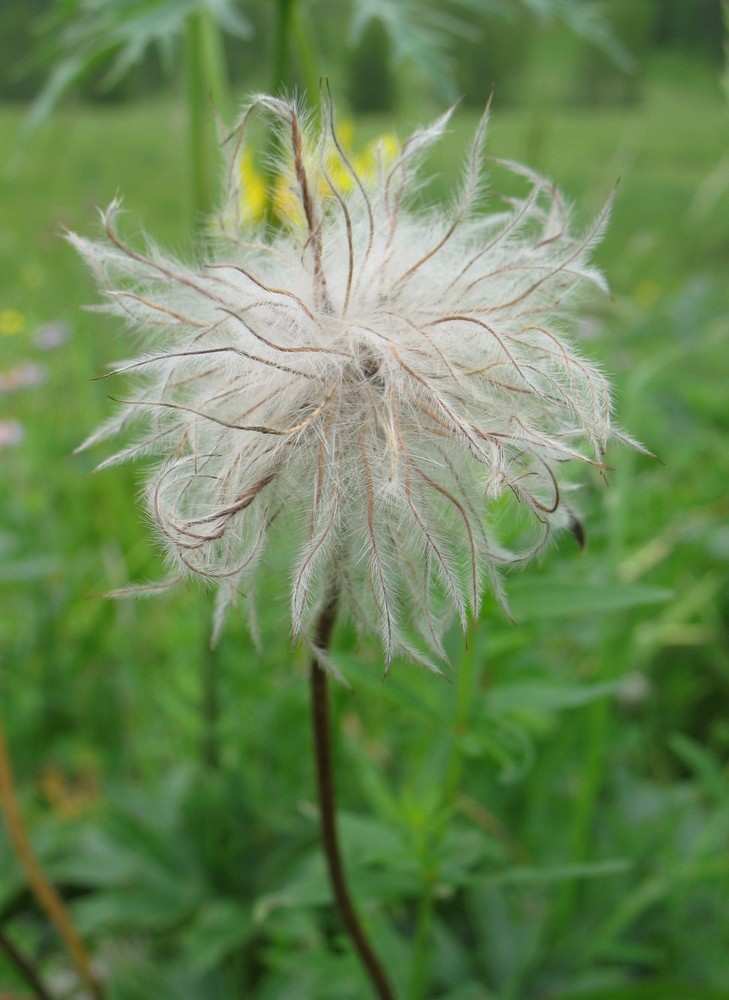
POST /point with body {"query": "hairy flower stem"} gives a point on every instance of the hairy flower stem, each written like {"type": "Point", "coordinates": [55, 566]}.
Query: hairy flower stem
{"type": "Point", "coordinates": [23, 967]}
{"type": "Point", "coordinates": [327, 806]}
{"type": "Point", "coordinates": [47, 897]}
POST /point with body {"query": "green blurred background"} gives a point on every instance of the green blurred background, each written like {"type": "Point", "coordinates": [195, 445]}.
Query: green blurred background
{"type": "Point", "coordinates": [168, 791]}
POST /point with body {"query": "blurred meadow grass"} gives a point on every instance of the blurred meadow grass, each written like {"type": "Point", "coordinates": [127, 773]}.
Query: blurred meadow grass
{"type": "Point", "coordinates": [586, 852]}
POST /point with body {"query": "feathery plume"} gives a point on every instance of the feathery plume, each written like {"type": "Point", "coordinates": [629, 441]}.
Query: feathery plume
{"type": "Point", "coordinates": [360, 385]}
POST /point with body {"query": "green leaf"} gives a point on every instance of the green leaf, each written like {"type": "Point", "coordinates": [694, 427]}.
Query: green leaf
{"type": "Point", "coordinates": [132, 908]}
{"type": "Point", "coordinates": [586, 20]}
{"type": "Point", "coordinates": [22, 570]}
{"type": "Point", "coordinates": [82, 35]}
{"type": "Point", "coordinates": [380, 863]}
{"type": "Point", "coordinates": [543, 598]}
{"type": "Point", "coordinates": [220, 928]}
{"type": "Point", "coordinates": [544, 696]}
{"type": "Point", "coordinates": [710, 772]}
{"type": "Point", "coordinates": [526, 875]}
{"type": "Point", "coordinates": [417, 35]}
{"type": "Point", "coordinates": [656, 989]}
{"type": "Point", "coordinates": [469, 991]}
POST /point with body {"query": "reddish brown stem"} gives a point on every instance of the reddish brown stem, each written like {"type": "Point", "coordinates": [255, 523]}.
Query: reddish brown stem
{"type": "Point", "coordinates": [327, 807]}
{"type": "Point", "coordinates": [23, 967]}
{"type": "Point", "coordinates": [47, 897]}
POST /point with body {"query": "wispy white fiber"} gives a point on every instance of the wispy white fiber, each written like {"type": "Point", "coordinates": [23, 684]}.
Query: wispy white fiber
{"type": "Point", "coordinates": [353, 390]}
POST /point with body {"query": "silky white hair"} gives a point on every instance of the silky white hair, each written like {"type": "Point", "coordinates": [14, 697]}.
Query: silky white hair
{"type": "Point", "coordinates": [363, 381]}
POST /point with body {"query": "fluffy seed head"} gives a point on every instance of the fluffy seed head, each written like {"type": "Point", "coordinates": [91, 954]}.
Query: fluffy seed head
{"type": "Point", "coordinates": [355, 389]}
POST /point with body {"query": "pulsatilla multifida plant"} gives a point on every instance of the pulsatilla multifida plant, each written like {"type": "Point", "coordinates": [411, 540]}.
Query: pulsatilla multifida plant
{"type": "Point", "coordinates": [365, 379]}
{"type": "Point", "coordinates": [362, 379]}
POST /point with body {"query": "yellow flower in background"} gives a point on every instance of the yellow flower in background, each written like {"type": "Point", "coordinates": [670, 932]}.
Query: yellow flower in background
{"type": "Point", "coordinates": [340, 165]}
{"type": "Point", "coordinates": [380, 152]}
{"type": "Point", "coordinates": [253, 188]}
{"type": "Point", "coordinates": [12, 322]}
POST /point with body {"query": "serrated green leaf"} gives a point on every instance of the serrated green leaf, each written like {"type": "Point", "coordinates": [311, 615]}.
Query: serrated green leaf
{"type": "Point", "coordinates": [82, 36]}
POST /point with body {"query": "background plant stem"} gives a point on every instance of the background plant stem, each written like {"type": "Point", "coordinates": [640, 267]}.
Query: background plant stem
{"type": "Point", "coordinates": [327, 806]}
{"type": "Point", "coordinates": [23, 967]}
{"type": "Point", "coordinates": [207, 91]}
{"type": "Point", "coordinates": [308, 64]}
{"type": "Point", "coordinates": [453, 771]}
{"type": "Point", "coordinates": [281, 77]}
{"type": "Point", "coordinates": [47, 897]}
{"type": "Point", "coordinates": [599, 715]}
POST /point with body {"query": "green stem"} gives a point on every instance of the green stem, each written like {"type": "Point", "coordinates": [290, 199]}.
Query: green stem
{"type": "Point", "coordinates": [598, 717]}
{"type": "Point", "coordinates": [422, 948]}
{"type": "Point", "coordinates": [206, 91]}
{"type": "Point", "coordinates": [281, 81]}
{"type": "Point", "coordinates": [598, 727]}
{"type": "Point", "coordinates": [282, 78]}
{"type": "Point", "coordinates": [210, 709]}
{"type": "Point", "coordinates": [216, 76]}
{"type": "Point", "coordinates": [464, 698]}
{"type": "Point", "coordinates": [420, 963]}
{"type": "Point", "coordinates": [306, 56]}
{"type": "Point", "coordinates": [292, 38]}
{"type": "Point", "coordinates": [289, 33]}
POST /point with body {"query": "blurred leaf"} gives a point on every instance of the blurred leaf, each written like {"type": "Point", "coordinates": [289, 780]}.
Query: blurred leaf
{"type": "Point", "coordinates": [134, 907]}
{"type": "Point", "coordinates": [420, 34]}
{"type": "Point", "coordinates": [12, 880]}
{"type": "Point", "coordinates": [395, 688]}
{"type": "Point", "coordinates": [469, 991]}
{"type": "Point", "coordinates": [424, 34]}
{"type": "Point", "coordinates": [220, 927]}
{"type": "Point", "coordinates": [493, 735]}
{"type": "Point", "coordinates": [145, 869]}
{"type": "Point", "coordinates": [649, 893]}
{"type": "Point", "coordinates": [81, 34]}
{"type": "Point", "coordinates": [586, 19]}
{"type": "Point", "coordinates": [657, 989]}
{"type": "Point", "coordinates": [711, 773]}
{"type": "Point", "coordinates": [536, 696]}
{"type": "Point", "coordinates": [22, 570]}
{"type": "Point", "coordinates": [133, 978]}
{"type": "Point", "coordinates": [558, 873]}
{"type": "Point", "coordinates": [460, 855]}
{"type": "Point", "coordinates": [100, 862]}
{"type": "Point", "coordinates": [380, 864]}
{"type": "Point", "coordinates": [537, 598]}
